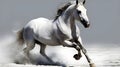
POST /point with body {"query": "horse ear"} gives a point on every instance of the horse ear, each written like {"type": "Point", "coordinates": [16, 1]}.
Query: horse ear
{"type": "Point", "coordinates": [76, 2]}
{"type": "Point", "coordinates": [84, 1]}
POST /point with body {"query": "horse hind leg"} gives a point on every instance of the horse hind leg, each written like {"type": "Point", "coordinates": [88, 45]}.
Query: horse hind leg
{"type": "Point", "coordinates": [29, 46]}
{"type": "Point", "coordinates": [42, 52]}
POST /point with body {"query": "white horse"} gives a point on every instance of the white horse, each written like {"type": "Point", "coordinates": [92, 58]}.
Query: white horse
{"type": "Point", "coordinates": [60, 31]}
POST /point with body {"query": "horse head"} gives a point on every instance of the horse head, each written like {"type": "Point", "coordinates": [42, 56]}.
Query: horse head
{"type": "Point", "coordinates": [80, 13]}
{"type": "Point", "coordinates": [75, 9]}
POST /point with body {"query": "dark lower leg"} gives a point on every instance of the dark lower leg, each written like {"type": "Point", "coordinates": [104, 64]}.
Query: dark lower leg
{"type": "Point", "coordinates": [42, 51]}
{"type": "Point", "coordinates": [87, 57]}
{"type": "Point", "coordinates": [76, 56]}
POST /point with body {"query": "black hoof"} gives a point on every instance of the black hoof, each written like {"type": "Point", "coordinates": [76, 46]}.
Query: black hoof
{"type": "Point", "coordinates": [77, 57]}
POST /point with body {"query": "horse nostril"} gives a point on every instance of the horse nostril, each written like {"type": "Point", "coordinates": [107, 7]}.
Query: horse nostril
{"type": "Point", "coordinates": [87, 25]}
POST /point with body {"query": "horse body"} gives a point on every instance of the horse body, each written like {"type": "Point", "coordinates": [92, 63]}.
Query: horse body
{"type": "Point", "coordinates": [48, 32]}
{"type": "Point", "coordinates": [61, 31]}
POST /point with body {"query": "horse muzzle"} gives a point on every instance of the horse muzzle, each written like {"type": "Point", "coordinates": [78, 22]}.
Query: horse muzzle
{"type": "Point", "coordinates": [85, 23]}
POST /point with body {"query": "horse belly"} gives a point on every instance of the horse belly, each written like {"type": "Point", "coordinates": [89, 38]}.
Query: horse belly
{"type": "Point", "coordinates": [47, 40]}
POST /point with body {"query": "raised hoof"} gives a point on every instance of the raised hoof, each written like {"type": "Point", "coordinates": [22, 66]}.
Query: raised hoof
{"type": "Point", "coordinates": [77, 57]}
{"type": "Point", "coordinates": [92, 65]}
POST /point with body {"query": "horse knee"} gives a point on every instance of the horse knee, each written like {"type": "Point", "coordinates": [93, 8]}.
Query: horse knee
{"type": "Point", "coordinates": [25, 50]}
{"type": "Point", "coordinates": [31, 47]}
{"type": "Point", "coordinates": [84, 50]}
{"type": "Point", "coordinates": [28, 48]}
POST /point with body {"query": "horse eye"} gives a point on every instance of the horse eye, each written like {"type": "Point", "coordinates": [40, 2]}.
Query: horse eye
{"type": "Point", "coordinates": [79, 12]}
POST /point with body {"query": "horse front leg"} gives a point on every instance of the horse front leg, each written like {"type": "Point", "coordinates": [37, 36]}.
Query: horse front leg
{"type": "Point", "coordinates": [79, 42]}
{"type": "Point", "coordinates": [68, 43]}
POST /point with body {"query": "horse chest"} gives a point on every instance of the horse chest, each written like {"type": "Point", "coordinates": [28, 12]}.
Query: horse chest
{"type": "Point", "coordinates": [65, 33]}
{"type": "Point", "coordinates": [62, 31]}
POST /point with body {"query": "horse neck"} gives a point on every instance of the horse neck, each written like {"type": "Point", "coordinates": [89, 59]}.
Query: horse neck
{"type": "Point", "coordinates": [68, 27]}
{"type": "Point", "coordinates": [68, 19]}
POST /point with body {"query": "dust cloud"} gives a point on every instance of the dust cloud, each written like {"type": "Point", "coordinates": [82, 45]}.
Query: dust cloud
{"type": "Point", "coordinates": [12, 52]}
{"type": "Point", "coordinates": [102, 56]}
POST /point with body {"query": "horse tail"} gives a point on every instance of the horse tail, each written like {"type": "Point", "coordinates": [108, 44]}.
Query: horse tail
{"type": "Point", "coordinates": [20, 38]}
